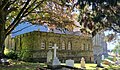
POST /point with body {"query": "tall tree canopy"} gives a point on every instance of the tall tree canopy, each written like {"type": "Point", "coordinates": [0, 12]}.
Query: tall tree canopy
{"type": "Point", "coordinates": [13, 12]}
{"type": "Point", "coordinates": [97, 15]}
{"type": "Point", "coordinates": [90, 16]}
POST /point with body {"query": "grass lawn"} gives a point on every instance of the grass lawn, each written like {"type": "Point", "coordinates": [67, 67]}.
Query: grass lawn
{"type": "Point", "coordinates": [34, 66]}
{"type": "Point", "coordinates": [22, 66]}
{"type": "Point", "coordinates": [90, 66]}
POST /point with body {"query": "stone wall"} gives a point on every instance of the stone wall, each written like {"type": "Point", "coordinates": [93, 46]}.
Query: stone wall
{"type": "Point", "coordinates": [35, 45]}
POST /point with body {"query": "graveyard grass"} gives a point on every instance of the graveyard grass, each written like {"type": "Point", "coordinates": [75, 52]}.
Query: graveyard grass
{"type": "Point", "coordinates": [90, 66]}
{"type": "Point", "coordinates": [34, 66]}
{"type": "Point", "coordinates": [22, 66]}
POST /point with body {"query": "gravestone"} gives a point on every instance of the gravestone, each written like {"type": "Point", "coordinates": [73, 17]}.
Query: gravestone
{"type": "Point", "coordinates": [5, 61]}
{"type": "Point", "coordinates": [70, 63]}
{"type": "Point", "coordinates": [103, 57]}
{"type": "Point", "coordinates": [114, 58]}
{"type": "Point", "coordinates": [118, 61]}
{"type": "Point", "coordinates": [55, 59]}
{"type": "Point", "coordinates": [49, 56]}
{"type": "Point", "coordinates": [82, 62]}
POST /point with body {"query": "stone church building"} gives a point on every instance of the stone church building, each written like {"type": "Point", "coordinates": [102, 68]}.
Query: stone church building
{"type": "Point", "coordinates": [34, 42]}
{"type": "Point", "coordinates": [33, 46]}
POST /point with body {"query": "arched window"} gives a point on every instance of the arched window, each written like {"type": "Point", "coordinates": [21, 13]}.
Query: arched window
{"type": "Point", "coordinates": [90, 46]}
{"type": "Point", "coordinates": [51, 44]}
{"type": "Point", "coordinates": [69, 46]}
{"type": "Point", "coordinates": [87, 47]}
{"type": "Point", "coordinates": [63, 45]}
{"type": "Point", "coordinates": [84, 47]}
{"type": "Point", "coordinates": [43, 45]}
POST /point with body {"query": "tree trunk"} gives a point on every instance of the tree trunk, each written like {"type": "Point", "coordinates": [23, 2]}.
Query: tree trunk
{"type": "Point", "coordinates": [2, 31]}
{"type": "Point", "coordinates": [2, 39]}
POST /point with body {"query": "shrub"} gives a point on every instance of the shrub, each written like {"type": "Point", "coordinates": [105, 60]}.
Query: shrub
{"type": "Point", "coordinates": [25, 55]}
{"type": "Point", "coordinates": [11, 55]}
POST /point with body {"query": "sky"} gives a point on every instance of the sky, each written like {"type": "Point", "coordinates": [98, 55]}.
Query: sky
{"type": "Point", "coordinates": [112, 44]}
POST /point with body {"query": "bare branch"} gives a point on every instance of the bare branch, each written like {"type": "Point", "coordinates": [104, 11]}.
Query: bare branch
{"type": "Point", "coordinates": [118, 31]}
{"type": "Point", "coordinates": [13, 2]}
{"type": "Point", "coordinates": [21, 29]}
{"type": "Point", "coordinates": [5, 4]}
{"type": "Point", "coordinates": [17, 19]}
{"type": "Point", "coordinates": [34, 8]}
{"type": "Point", "coordinates": [30, 6]}
{"type": "Point", "coordinates": [11, 9]}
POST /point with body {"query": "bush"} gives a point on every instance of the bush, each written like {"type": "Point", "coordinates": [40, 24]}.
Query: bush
{"type": "Point", "coordinates": [25, 55]}
{"type": "Point", "coordinates": [11, 55]}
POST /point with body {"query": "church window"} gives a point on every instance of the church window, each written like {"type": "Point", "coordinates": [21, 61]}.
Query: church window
{"type": "Point", "coordinates": [87, 47]}
{"type": "Point", "coordinates": [63, 45]}
{"type": "Point", "coordinates": [43, 45]}
{"type": "Point", "coordinates": [69, 45]}
{"type": "Point", "coordinates": [51, 45]}
{"type": "Point", "coordinates": [84, 46]}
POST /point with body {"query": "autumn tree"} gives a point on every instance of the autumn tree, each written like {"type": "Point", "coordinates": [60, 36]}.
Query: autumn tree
{"type": "Point", "coordinates": [97, 15]}
{"type": "Point", "coordinates": [14, 12]}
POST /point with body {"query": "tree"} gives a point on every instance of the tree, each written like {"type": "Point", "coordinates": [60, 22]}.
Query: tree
{"type": "Point", "coordinates": [97, 15]}
{"type": "Point", "coordinates": [14, 12]}
{"type": "Point", "coordinates": [11, 13]}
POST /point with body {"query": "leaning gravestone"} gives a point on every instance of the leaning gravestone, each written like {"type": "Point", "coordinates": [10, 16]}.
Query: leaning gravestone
{"type": "Point", "coordinates": [49, 56]}
{"type": "Point", "coordinates": [55, 59]}
{"type": "Point", "coordinates": [82, 62]}
{"type": "Point", "coordinates": [70, 63]}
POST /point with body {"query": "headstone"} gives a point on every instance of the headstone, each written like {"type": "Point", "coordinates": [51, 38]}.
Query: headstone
{"type": "Point", "coordinates": [114, 58]}
{"type": "Point", "coordinates": [103, 57]}
{"type": "Point", "coordinates": [82, 62]}
{"type": "Point", "coordinates": [55, 49]}
{"type": "Point", "coordinates": [49, 56]}
{"type": "Point", "coordinates": [118, 61]}
{"type": "Point", "coordinates": [55, 60]}
{"type": "Point", "coordinates": [70, 63]}
{"type": "Point", "coordinates": [4, 61]}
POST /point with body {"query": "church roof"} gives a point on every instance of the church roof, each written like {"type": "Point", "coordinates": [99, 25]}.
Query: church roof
{"type": "Point", "coordinates": [27, 27]}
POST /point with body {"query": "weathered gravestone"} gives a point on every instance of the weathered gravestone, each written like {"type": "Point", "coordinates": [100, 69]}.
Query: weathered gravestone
{"type": "Point", "coordinates": [103, 57]}
{"type": "Point", "coordinates": [118, 61]}
{"type": "Point", "coordinates": [49, 56]}
{"type": "Point", "coordinates": [114, 58]}
{"type": "Point", "coordinates": [55, 59]}
{"type": "Point", "coordinates": [82, 62]}
{"type": "Point", "coordinates": [70, 63]}
{"type": "Point", "coordinates": [5, 61]}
